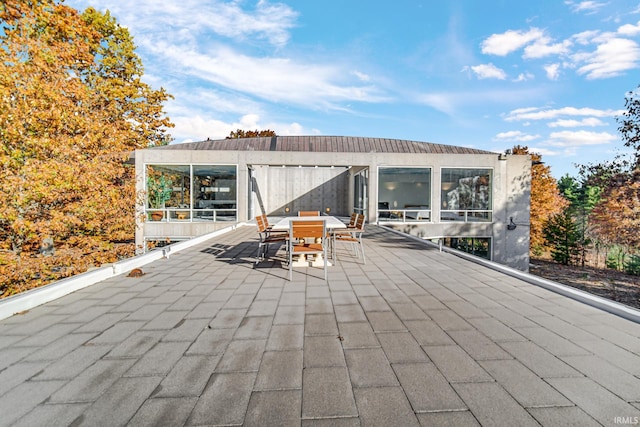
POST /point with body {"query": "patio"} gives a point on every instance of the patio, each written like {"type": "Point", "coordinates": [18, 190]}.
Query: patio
{"type": "Point", "coordinates": [414, 337]}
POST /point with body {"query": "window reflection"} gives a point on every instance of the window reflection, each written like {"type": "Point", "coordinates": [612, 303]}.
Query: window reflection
{"type": "Point", "coordinates": [466, 194]}
{"type": "Point", "coordinates": [191, 192]}
{"type": "Point", "coordinates": [404, 194]}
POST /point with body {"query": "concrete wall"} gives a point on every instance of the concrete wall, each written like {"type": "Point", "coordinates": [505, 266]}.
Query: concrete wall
{"type": "Point", "coordinates": [307, 187]}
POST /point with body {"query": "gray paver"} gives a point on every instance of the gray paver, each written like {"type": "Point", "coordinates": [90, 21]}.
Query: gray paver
{"type": "Point", "coordinates": [320, 324]}
{"type": "Point", "coordinates": [570, 416]}
{"type": "Point", "coordinates": [408, 311]}
{"type": "Point", "coordinates": [169, 411]}
{"type": "Point", "coordinates": [478, 346]}
{"type": "Point", "coordinates": [448, 419]}
{"type": "Point", "coordinates": [120, 402]}
{"type": "Point", "coordinates": [540, 361]}
{"type": "Point", "coordinates": [327, 393]}
{"type": "Point", "coordinates": [254, 328]}
{"type": "Point", "coordinates": [289, 315]}
{"type": "Point", "coordinates": [322, 350]}
{"type": "Point", "coordinates": [89, 385]}
{"type": "Point", "coordinates": [228, 319]}
{"type": "Point", "coordinates": [384, 406]}
{"type": "Point", "coordinates": [24, 398]}
{"type": "Point", "coordinates": [426, 388]}
{"type": "Point", "coordinates": [552, 342]}
{"type": "Point", "coordinates": [244, 356]}
{"type": "Point", "coordinates": [73, 363]}
{"type": "Point", "coordinates": [276, 407]}
{"type": "Point", "coordinates": [286, 337]}
{"type": "Point", "coordinates": [401, 347]}
{"type": "Point", "coordinates": [136, 345]}
{"type": "Point", "coordinates": [456, 365]}
{"type": "Point", "coordinates": [493, 406]}
{"type": "Point", "coordinates": [225, 399]}
{"type": "Point", "coordinates": [52, 415]}
{"type": "Point", "coordinates": [280, 370]}
{"type": "Point", "coordinates": [349, 313]}
{"type": "Point", "coordinates": [427, 332]}
{"type": "Point", "coordinates": [607, 375]}
{"type": "Point", "coordinates": [302, 352]}
{"type": "Point", "coordinates": [159, 360]}
{"type": "Point", "coordinates": [357, 335]}
{"type": "Point", "coordinates": [594, 399]}
{"type": "Point", "coordinates": [369, 368]}
{"type": "Point", "coordinates": [384, 321]}
{"type": "Point", "coordinates": [526, 387]}
{"type": "Point", "coordinates": [188, 377]}
{"type": "Point", "coordinates": [211, 341]}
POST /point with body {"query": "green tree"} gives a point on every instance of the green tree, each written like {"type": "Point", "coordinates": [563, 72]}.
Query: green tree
{"type": "Point", "coordinates": [562, 235]}
{"type": "Point", "coordinates": [582, 198]}
{"type": "Point", "coordinates": [630, 126]}
{"type": "Point", "coordinates": [72, 108]}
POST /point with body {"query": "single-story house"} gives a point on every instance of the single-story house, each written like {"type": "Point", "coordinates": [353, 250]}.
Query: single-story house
{"type": "Point", "coordinates": [474, 200]}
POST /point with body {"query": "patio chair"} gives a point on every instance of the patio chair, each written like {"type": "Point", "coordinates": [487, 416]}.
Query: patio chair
{"type": "Point", "coordinates": [353, 236]}
{"type": "Point", "coordinates": [308, 238]}
{"type": "Point", "coordinates": [308, 213]}
{"type": "Point", "coordinates": [352, 220]}
{"type": "Point", "coordinates": [267, 237]}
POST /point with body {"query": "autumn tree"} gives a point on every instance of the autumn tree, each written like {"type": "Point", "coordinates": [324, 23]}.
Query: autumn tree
{"type": "Point", "coordinates": [617, 216]}
{"type": "Point", "coordinates": [73, 106]}
{"type": "Point", "coordinates": [546, 200]}
{"type": "Point", "coordinates": [250, 133]}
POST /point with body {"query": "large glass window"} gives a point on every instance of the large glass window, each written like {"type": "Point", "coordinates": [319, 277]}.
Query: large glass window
{"type": "Point", "coordinates": [214, 188]}
{"type": "Point", "coordinates": [404, 194]}
{"type": "Point", "coordinates": [465, 194]}
{"type": "Point", "coordinates": [191, 192]}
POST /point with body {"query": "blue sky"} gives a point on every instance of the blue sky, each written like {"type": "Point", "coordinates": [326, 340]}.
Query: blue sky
{"type": "Point", "coordinates": [548, 74]}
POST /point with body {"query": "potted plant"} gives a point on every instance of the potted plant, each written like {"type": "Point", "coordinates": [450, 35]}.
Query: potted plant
{"type": "Point", "coordinates": [158, 192]}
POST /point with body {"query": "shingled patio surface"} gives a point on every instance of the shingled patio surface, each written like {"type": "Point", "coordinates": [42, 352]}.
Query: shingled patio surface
{"type": "Point", "coordinates": [414, 337]}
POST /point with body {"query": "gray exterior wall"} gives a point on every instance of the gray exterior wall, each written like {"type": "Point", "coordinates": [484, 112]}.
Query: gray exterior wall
{"type": "Point", "coordinates": [301, 186]}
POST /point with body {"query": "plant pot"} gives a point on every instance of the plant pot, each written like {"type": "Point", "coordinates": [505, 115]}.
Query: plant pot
{"type": "Point", "coordinates": [157, 215]}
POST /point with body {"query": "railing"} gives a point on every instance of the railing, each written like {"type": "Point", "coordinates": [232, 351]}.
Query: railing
{"type": "Point", "coordinates": [466, 215]}
{"type": "Point", "coordinates": [404, 215]}
{"type": "Point", "coordinates": [191, 215]}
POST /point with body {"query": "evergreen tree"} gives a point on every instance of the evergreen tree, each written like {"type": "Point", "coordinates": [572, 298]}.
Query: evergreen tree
{"type": "Point", "coordinates": [562, 235]}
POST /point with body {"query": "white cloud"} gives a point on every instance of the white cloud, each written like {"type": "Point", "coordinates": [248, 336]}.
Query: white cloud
{"type": "Point", "coordinates": [579, 138]}
{"type": "Point", "coordinates": [523, 77]}
{"type": "Point", "coordinates": [509, 41]}
{"type": "Point", "coordinates": [542, 151]}
{"type": "Point", "coordinates": [361, 76]}
{"type": "Point", "coordinates": [629, 30]}
{"type": "Point", "coordinates": [488, 71]}
{"type": "Point", "coordinates": [188, 19]}
{"type": "Point", "coordinates": [588, 7]}
{"type": "Point", "coordinates": [278, 79]}
{"type": "Point", "coordinates": [515, 136]}
{"type": "Point", "coordinates": [564, 123]}
{"type": "Point", "coordinates": [533, 113]}
{"type": "Point", "coordinates": [610, 59]}
{"type": "Point", "coordinates": [198, 128]}
{"type": "Point", "coordinates": [553, 71]}
{"type": "Point", "coordinates": [543, 47]}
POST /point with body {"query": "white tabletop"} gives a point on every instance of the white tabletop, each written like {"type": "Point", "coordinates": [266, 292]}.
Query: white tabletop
{"type": "Point", "coordinates": [331, 221]}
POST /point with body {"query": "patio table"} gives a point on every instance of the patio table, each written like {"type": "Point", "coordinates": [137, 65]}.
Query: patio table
{"type": "Point", "coordinates": [332, 223]}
